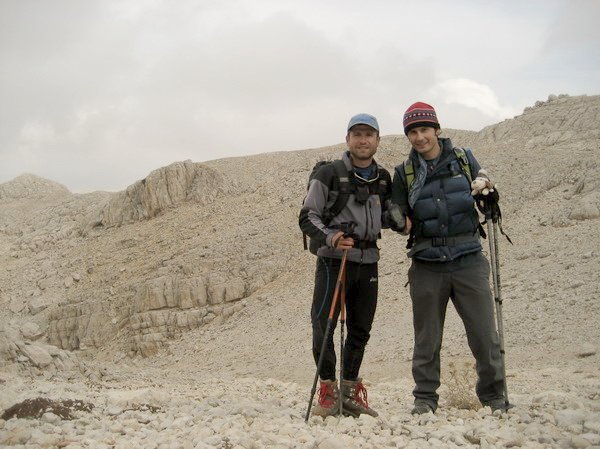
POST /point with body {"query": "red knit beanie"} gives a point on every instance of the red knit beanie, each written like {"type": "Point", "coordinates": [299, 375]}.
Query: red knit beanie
{"type": "Point", "coordinates": [420, 114]}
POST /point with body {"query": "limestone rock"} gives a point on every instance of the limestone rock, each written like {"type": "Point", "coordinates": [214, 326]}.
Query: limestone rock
{"type": "Point", "coordinates": [36, 354]}
{"type": "Point", "coordinates": [586, 208]}
{"type": "Point", "coordinates": [75, 326]}
{"type": "Point", "coordinates": [568, 417]}
{"type": "Point", "coordinates": [586, 350]}
{"type": "Point", "coordinates": [137, 397]}
{"type": "Point", "coordinates": [31, 186]}
{"type": "Point", "coordinates": [38, 304]}
{"type": "Point", "coordinates": [171, 292]}
{"type": "Point", "coordinates": [31, 331]}
{"type": "Point", "coordinates": [163, 188]}
{"type": "Point", "coordinates": [16, 305]}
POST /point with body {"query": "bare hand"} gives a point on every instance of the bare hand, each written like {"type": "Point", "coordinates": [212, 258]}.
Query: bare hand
{"type": "Point", "coordinates": [408, 226]}
{"type": "Point", "coordinates": [341, 242]}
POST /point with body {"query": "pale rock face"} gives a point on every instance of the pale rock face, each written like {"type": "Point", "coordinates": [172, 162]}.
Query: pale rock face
{"type": "Point", "coordinates": [190, 292]}
{"type": "Point", "coordinates": [163, 188]}
{"type": "Point", "coordinates": [30, 186]}
{"type": "Point", "coordinates": [37, 305]}
{"type": "Point", "coordinates": [16, 305]}
{"type": "Point", "coordinates": [37, 355]}
{"type": "Point", "coordinates": [31, 331]}
{"type": "Point", "coordinates": [586, 208]}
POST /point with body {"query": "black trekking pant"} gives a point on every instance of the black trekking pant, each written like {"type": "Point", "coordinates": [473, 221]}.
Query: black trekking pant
{"type": "Point", "coordinates": [466, 282]}
{"type": "Point", "coordinates": [361, 302]}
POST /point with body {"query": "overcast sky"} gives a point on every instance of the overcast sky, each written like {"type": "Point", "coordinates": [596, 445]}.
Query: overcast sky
{"type": "Point", "coordinates": [95, 94]}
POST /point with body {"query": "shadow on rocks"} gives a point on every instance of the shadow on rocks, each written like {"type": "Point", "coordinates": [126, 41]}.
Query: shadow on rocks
{"type": "Point", "coordinates": [36, 407]}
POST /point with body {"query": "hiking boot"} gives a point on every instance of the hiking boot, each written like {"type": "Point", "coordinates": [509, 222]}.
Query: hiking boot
{"type": "Point", "coordinates": [329, 399]}
{"type": "Point", "coordinates": [421, 408]}
{"type": "Point", "coordinates": [354, 397]}
{"type": "Point", "coordinates": [498, 404]}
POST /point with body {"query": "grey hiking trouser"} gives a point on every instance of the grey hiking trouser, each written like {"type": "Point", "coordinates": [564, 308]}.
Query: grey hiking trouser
{"type": "Point", "coordinates": [465, 281]}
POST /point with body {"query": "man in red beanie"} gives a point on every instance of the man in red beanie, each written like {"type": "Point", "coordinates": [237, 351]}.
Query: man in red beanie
{"type": "Point", "coordinates": [432, 192]}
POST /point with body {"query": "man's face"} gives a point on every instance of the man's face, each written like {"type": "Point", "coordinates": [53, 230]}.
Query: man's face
{"type": "Point", "coordinates": [362, 142]}
{"type": "Point", "coordinates": [425, 141]}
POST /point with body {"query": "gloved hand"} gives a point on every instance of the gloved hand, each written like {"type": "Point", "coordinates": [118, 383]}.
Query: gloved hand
{"type": "Point", "coordinates": [481, 184]}
{"type": "Point", "coordinates": [398, 221]}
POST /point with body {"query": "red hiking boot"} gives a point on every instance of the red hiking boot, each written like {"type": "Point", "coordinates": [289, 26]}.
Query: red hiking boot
{"type": "Point", "coordinates": [329, 399]}
{"type": "Point", "coordinates": [354, 395]}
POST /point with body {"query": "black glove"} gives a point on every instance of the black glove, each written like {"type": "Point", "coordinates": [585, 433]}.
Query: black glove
{"type": "Point", "coordinates": [397, 218]}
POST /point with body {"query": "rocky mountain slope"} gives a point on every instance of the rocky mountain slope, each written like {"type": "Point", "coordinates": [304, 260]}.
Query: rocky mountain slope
{"type": "Point", "coordinates": [190, 291]}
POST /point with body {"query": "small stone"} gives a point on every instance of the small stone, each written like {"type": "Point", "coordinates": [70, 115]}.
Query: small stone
{"type": "Point", "coordinates": [35, 354]}
{"type": "Point", "coordinates": [37, 304]}
{"type": "Point", "coordinates": [43, 284]}
{"type": "Point", "coordinates": [51, 418]}
{"type": "Point", "coordinates": [31, 331]}
{"type": "Point", "coordinates": [472, 438]}
{"type": "Point", "coordinates": [592, 437]}
{"type": "Point", "coordinates": [15, 436]}
{"type": "Point", "coordinates": [16, 305]}
{"type": "Point", "coordinates": [517, 441]}
{"type": "Point", "coordinates": [568, 417]}
{"type": "Point", "coordinates": [592, 426]}
{"type": "Point", "coordinates": [525, 418]}
{"type": "Point", "coordinates": [578, 442]}
{"type": "Point", "coordinates": [586, 350]}
{"type": "Point", "coordinates": [114, 410]}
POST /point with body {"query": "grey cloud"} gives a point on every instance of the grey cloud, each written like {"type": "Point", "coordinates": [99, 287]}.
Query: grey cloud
{"type": "Point", "coordinates": [110, 102]}
{"type": "Point", "coordinates": [98, 93]}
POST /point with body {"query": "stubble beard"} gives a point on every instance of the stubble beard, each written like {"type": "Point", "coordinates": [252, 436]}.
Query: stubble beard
{"type": "Point", "coordinates": [361, 157]}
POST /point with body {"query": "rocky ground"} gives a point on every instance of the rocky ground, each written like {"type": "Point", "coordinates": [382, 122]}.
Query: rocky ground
{"type": "Point", "coordinates": [174, 314]}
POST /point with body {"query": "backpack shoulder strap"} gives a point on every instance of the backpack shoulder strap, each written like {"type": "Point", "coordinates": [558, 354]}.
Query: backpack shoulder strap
{"type": "Point", "coordinates": [342, 186]}
{"type": "Point", "coordinates": [463, 160]}
{"type": "Point", "coordinates": [384, 183]}
{"type": "Point", "coordinates": [409, 173]}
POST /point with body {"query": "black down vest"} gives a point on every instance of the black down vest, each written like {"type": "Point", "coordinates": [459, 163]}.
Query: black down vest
{"type": "Point", "coordinates": [445, 210]}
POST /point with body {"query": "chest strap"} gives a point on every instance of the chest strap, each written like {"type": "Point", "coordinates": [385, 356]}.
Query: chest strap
{"type": "Point", "coordinates": [364, 244]}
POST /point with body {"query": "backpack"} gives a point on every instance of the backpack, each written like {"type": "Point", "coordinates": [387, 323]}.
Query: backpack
{"type": "Point", "coordinates": [345, 187]}
{"type": "Point", "coordinates": [463, 160]}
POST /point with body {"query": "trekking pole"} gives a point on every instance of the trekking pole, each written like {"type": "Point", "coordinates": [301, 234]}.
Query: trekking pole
{"type": "Point", "coordinates": [336, 292]}
{"type": "Point", "coordinates": [492, 227]}
{"type": "Point", "coordinates": [342, 324]}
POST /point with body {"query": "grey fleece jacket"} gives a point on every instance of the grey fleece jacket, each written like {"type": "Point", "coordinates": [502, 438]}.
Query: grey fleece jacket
{"type": "Point", "coordinates": [366, 217]}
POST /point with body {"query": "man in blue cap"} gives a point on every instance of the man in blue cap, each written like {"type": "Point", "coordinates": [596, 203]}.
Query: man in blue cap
{"type": "Point", "coordinates": [355, 228]}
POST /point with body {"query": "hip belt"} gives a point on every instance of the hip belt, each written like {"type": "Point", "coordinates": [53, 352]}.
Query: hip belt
{"type": "Point", "coordinates": [364, 244]}
{"type": "Point", "coordinates": [424, 243]}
